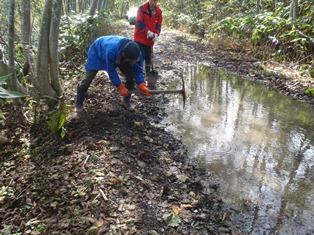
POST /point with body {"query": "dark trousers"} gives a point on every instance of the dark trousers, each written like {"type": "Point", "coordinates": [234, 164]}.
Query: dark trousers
{"type": "Point", "coordinates": [126, 70]}
{"type": "Point", "coordinates": [147, 56]}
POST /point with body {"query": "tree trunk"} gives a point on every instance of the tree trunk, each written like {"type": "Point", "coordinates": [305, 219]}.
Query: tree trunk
{"type": "Point", "coordinates": [106, 5]}
{"type": "Point", "coordinates": [80, 6]}
{"type": "Point", "coordinates": [68, 6]}
{"type": "Point", "coordinates": [83, 6]}
{"type": "Point", "coordinates": [26, 38]}
{"type": "Point", "coordinates": [74, 6]}
{"type": "Point", "coordinates": [257, 6]}
{"type": "Point", "coordinates": [122, 12]}
{"type": "Point", "coordinates": [26, 26]}
{"type": "Point", "coordinates": [42, 80]}
{"type": "Point", "coordinates": [4, 68]}
{"type": "Point", "coordinates": [293, 9]}
{"type": "Point", "coordinates": [53, 45]}
{"type": "Point", "coordinates": [93, 8]}
{"type": "Point", "coordinates": [99, 5]}
{"type": "Point", "coordinates": [13, 81]}
{"type": "Point", "coordinates": [275, 5]}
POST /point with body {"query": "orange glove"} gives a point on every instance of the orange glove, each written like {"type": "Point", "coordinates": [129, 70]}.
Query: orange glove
{"type": "Point", "coordinates": [123, 91]}
{"type": "Point", "coordinates": [143, 88]}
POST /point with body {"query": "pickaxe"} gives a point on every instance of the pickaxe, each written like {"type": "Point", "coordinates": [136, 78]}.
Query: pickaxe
{"type": "Point", "coordinates": [152, 92]}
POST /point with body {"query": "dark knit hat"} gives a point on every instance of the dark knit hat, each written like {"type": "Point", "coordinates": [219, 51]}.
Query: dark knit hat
{"type": "Point", "coordinates": [131, 50]}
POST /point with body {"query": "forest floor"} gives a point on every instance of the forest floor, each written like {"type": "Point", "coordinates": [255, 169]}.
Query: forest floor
{"type": "Point", "coordinates": [116, 172]}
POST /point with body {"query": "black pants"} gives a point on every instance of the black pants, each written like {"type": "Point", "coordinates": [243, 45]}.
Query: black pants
{"type": "Point", "coordinates": [147, 56]}
{"type": "Point", "coordinates": [126, 70]}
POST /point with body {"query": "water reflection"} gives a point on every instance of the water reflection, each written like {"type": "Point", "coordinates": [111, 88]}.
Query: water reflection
{"type": "Point", "coordinates": [257, 142]}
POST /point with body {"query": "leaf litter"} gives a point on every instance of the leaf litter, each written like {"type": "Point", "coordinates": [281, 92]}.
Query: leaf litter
{"type": "Point", "coordinates": [115, 172]}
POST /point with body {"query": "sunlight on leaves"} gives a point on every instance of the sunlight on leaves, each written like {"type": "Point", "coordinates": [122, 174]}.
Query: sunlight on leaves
{"type": "Point", "coordinates": [57, 120]}
{"type": "Point", "coordinates": [3, 192]}
{"type": "Point", "coordinates": [5, 94]}
{"type": "Point", "coordinates": [310, 91]}
{"type": "Point", "coordinates": [114, 149]}
{"type": "Point", "coordinates": [3, 79]}
{"type": "Point", "coordinates": [137, 123]}
{"type": "Point", "coordinates": [100, 223]}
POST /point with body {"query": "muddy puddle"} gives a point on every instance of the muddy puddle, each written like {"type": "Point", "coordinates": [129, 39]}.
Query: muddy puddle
{"type": "Point", "coordinates": [256, 142]}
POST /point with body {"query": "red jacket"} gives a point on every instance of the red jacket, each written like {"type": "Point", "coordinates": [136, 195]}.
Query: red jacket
{"type": "Point", "coordinates": [144, 23]}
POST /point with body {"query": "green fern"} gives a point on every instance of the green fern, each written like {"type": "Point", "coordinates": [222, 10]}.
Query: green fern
{"type": "Point", "coordinates": [310, 91]}
{"type": "Point", "coordinates": [6, 94]}
{"type": "Point", "coordinates": [57, 120]}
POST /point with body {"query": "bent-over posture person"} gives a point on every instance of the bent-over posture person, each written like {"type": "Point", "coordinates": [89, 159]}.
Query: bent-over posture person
{"type": "Point", "coordinates": [108, 53]}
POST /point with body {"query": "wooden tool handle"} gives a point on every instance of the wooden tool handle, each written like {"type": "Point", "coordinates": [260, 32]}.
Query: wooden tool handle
{"type": "Point", "coordinates": [158, 92]}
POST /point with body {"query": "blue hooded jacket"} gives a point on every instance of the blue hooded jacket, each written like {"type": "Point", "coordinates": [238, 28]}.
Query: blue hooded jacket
{"type": "Point", "coordinates": [104, 54]}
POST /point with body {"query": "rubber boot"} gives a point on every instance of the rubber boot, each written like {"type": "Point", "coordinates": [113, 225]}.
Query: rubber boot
{"type": "Point", "coordinates": [80, 97]}
{"type": "Point", "coordinates": [149, 78]}
{"type": "Point", "coordinates": [127, 104]}
{"type": "Point", "coordinates": [126, 101]}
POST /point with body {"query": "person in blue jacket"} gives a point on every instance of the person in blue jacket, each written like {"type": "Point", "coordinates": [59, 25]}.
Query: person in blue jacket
{"type": "Point", "coordinates": [109, 53]}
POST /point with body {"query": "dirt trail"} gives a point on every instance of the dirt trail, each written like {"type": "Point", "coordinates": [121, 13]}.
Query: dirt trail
{"type": "Point", "coordinates": [115, 172]}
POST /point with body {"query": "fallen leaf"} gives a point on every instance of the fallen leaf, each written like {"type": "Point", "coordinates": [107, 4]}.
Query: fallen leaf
{"type": "Point", "coordinates": [90, 220]}
{"type": "Point", "coordinates": [152, 232]}
{"type": "Point", "coordinates": [172, 219]}
{"type": "Point", "coordinates": [236, 232]}
{"type": "Point", "coordinates": [129, 206]}
{"type": "Point", "coordinates": [138, 178]}
{"type": "Point", "coordinates": [149, 139]}
{"type": "Point", "coordinates": [114, 149]}
{"type": "Point", "coordinates": [172, 171]}
{"type": "Point", "coordinates": [92, 230]}
{"type": "Point", "coordinates": [182, 178]}
{"type": "Point", "coordinates": [185, 215]}
{"type": "Point", "coordinates": [100, 223]}
{"type": "Point", "coordinates": [104, 142]}
{"type": "Point", "coordinates": [80, 191]}
{"type": "Point", "coordinates": [53, 204]}
{"type": "Point", "coordinates": [165, 191]}
{"type": "Point", "coordinates": [184, 206]}
{"type": "Point", "coordinates": [224, 216]}
{"type": "Point", "coordinates": [27, 157]}
{"type": "Point", "coordinates": [144, 154]}
{"type": "Point", "coordinates": [141, 164]}
{"type": "Point", "coordinates": [116, 181]}
{"type": "Point", "coordinates": [175, 209]}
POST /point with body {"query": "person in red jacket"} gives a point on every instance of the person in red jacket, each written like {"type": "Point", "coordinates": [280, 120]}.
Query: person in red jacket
{"type": "Point", "coordinates": [147, 30]}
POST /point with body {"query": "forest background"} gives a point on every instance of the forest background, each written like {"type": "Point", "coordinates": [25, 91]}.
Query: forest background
{"type": "Point", "coordinates": [44, 42]}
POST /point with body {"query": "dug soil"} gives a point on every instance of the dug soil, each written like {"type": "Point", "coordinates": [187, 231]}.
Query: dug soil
{"type": "Point", "coordinates": [121, 172]}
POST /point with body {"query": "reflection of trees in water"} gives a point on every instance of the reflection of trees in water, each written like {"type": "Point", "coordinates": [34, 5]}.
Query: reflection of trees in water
{"type": "Point", "coordinates": [295, 165]}
{"type": "Point", "coordinates": [261, 126]}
